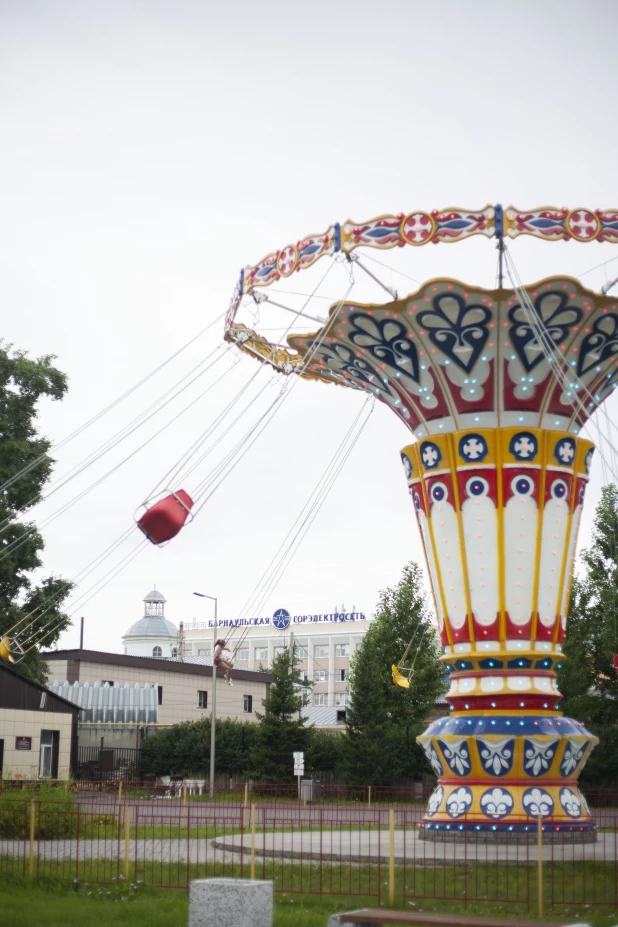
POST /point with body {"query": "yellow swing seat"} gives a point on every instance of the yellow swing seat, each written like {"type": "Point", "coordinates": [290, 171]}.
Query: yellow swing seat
{"type": "Point", "coordinates": [399, 679]}
{"type": "Point", "coordinates": [5, 650]}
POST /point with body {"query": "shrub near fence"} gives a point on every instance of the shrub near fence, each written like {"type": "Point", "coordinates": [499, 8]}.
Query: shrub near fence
{"type": "Point", "coordinates": [372, 853]}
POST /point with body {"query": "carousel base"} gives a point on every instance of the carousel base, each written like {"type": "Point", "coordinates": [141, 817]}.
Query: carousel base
{"type": "Point", "coordinates": [481, 835]}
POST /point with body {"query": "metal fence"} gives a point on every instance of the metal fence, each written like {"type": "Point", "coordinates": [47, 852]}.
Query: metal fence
{"type": "Point", "coordinates": [105, 764]}
{"type": "Point", "coordinates": [375, 853]}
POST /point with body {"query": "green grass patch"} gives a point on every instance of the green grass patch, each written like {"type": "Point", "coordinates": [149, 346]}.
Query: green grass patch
{"type": "Point", "coordinates": [577, 890]}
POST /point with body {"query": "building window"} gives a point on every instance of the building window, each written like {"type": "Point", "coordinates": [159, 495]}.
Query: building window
{"type": "Point", "coordinates": [341, 715]}
{"type": "Point", "coordinates": [261, 653]}
{"type": "Point", "coordinates": [157, 652]}
{"type": "Point", "coordinates": [243, 653]}
{"type": "Point", "coordinates": [342, 675]}
{"type": "Point", "coordinates": [320, 699]}
{"type": "Point", "coordinates": [341, 698]}
{"type": "Point", "coordinates": [43, 700]}
{"type": "Point", "coordinates": [247, 703]}
{"type": "Point", "coordinates": [342, 650]}
{"type": "Point", "coordinates": [279, 650]}
{"type": "Point", "coordinates": [302, 651]}
{"type": "Point", "coordinates": [320, 676]}
{"type": "Point", "coordinates": [202, 699]}
{"type": "Point", "coordinates": [174, 652]}
{"type": "Point", "coordinates": [204, 653]}
{"type": "Point", "coordinates": [160, 694]}
{"type": "Point", "coordinates": [321, 650]}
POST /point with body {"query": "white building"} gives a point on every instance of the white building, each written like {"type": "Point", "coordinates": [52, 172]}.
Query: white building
{"type": "Point", "coordinates": [153, 635]}
{"type": "Point", "coordinates": [324, 643]}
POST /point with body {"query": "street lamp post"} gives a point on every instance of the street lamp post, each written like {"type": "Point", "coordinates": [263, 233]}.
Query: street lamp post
{"type": "Point", "coordinates": [213, 714]}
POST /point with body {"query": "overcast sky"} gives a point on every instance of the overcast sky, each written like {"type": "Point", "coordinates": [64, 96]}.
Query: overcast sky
{"type": "Point", "coordinates": [151, 149]}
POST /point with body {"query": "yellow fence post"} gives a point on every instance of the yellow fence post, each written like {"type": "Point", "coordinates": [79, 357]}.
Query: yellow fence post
{"type": "Point", "coordinates": [369, 798]}
{"type": "Point", "coordinates": [183, 819]}
{"type": "Point", "coordinates": [31, 848]}
{"type": "Point", "coordinates": [244, 814]}
{"type": "Point", "coordinates": [391, 858]}
{"type": "Point", "coordinates": [253, 841]}
{"type": "Point", "coordinates": [119, 805]}
{"type": "Point", "coordinates": [539, 863]}
{"type": "Point", "coordinates": [127, 834]}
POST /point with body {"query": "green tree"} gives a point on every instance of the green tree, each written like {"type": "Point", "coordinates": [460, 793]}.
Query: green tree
{"type": "Point", "coordinates": [587, 678]}
{"type": "Point", "coordinates": [23, 383]}
{"type": "Point", "coordinates": [281, 729]}
{"type": "Point", "coordinates": [382, 719]}
{"type": "Point", "coordinates": [184, 749]}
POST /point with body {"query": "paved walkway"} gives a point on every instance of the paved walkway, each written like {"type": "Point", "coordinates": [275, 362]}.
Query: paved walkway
{"type": "Point", "coordinates": [332, 847]}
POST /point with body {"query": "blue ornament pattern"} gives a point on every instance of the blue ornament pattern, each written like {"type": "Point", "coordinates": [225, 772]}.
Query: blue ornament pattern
{"type": "Point", "coordinates": [473, 448]}
{"type": "Point", "coordinates": [458, 802]}
{"type": "Point", "coordinates": [564, 452]}
{"type": "Point", "coordinates": [600, 344]}
{"type": "Point", "coordinates": [537, 801]}
{"type": "Point", "coordinates": [554, 320]}
{"type": "Point", "coordinates": [496, 756]}
{"type": "Point", "coordinates": [435, 801]}
{"type": "Point", "coordinates": [432, 756]}
{"type": "Point", "coordinates": [497, 803]}
{"type": "Point", "coordinates": [538, 756]}
{"type": "Point", "coordinates": [431, 455]}
{"type": "Point", "coordinates": [574, 752]}
{"type": "Point", "coordinates": [457, 755]}
{"type": "Point", "coordinates": [570, 802]}
{"type": "Point", "coordinates": [460, 331]}
{"type": "Point", "coordinates": [387, 342]}
{"type": "Point", "coordinates": [524, 446]}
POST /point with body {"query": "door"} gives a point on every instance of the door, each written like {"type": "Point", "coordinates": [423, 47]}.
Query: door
{"type": "Point", "coordinates": [48, 760]}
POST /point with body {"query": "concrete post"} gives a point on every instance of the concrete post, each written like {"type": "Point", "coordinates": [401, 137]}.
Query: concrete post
{"type": "Point", "coordinates": [230, 903]}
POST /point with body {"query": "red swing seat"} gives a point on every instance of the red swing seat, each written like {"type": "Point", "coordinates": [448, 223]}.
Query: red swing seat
{"type": "Point", "coordinates": [163, 520]}
{"type": "Point", "coordinates": [616, 662]}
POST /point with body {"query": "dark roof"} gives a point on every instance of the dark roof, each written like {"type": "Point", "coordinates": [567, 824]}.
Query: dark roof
{"type": "Point", "coordinates": [23, 694]}
{"type": "Point", "coordinates": [153, 663]}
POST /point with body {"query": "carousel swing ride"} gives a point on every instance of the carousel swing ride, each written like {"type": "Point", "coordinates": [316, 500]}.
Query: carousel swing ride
{"type": "Point", "coordinates": [494, 386]}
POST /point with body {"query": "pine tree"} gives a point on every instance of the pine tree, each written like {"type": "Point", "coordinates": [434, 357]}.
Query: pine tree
{"type": "Point", "coordinates": [23, 383]}
{"type": "Point", "coordinates": [281, 728]}
{"type": "Point", "coordinates": [383, 719]}
{"type": "Point", "coordinates": [587, 678]}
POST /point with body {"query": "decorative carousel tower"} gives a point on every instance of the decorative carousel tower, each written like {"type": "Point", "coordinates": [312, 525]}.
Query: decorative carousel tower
{"type": "Point", "coordinates": [495, 385]}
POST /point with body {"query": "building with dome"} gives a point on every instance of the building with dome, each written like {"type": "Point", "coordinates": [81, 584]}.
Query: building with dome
{"type": "Point", "coordinates": [153, 635]}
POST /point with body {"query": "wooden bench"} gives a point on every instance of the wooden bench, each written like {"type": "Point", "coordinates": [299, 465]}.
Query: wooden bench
{"type": "Point", "coordinates": [374, 917]}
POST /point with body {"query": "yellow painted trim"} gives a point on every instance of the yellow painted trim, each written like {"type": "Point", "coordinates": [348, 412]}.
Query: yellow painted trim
{"type": "Point", "coordinates": [565, 557]}
{"type": "Point", "coordinates": [414, 448]}
{"type": "Point", "coordinates": [462, 544]}
{"type": "Point", "coordinates": [500, 513]}
{"type": "Point", "coordinates": [539, 536]}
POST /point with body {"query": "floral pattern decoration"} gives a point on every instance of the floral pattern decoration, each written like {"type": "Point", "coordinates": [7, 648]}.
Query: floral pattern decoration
{"type": "Point", "coordinates": [457, 755]}
{"type": "Point", "coordinates": [458, 802]}
{"type": "Point", "coordinates": [537, 801]}
{"type": "Point", "coordinates": [496, 755]}
{"type": "Point", "coordinates": [497, 803]}
{"type": "Point", "coordinates": [538, 755]}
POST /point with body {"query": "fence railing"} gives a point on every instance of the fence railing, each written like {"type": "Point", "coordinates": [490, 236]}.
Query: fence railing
{"type": "Point", "coordinates": [377, 853]}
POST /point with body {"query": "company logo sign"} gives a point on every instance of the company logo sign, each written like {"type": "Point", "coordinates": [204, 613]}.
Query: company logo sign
{"type": "Point", "coordinates": [282, 619]}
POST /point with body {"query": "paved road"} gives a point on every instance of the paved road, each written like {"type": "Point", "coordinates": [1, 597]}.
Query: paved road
{"type": "Point", "coordinates": [331, 846]}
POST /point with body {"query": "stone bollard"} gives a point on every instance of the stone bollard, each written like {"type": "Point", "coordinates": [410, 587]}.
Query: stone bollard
{"type": "Point", "coordinates": [230, 903]}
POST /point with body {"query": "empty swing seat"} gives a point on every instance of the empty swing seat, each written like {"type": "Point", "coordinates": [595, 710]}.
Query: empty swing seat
{"type": "Point", "coordinates": [399, 679]}
{"type": "Point", "coordinates": [616, 662]}
{"type": "Point", "coordinates": [163, 520]}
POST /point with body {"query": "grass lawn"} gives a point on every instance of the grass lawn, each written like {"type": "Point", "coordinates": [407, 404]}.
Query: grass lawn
{"type": "Point", "coordinates": [50, 904]}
